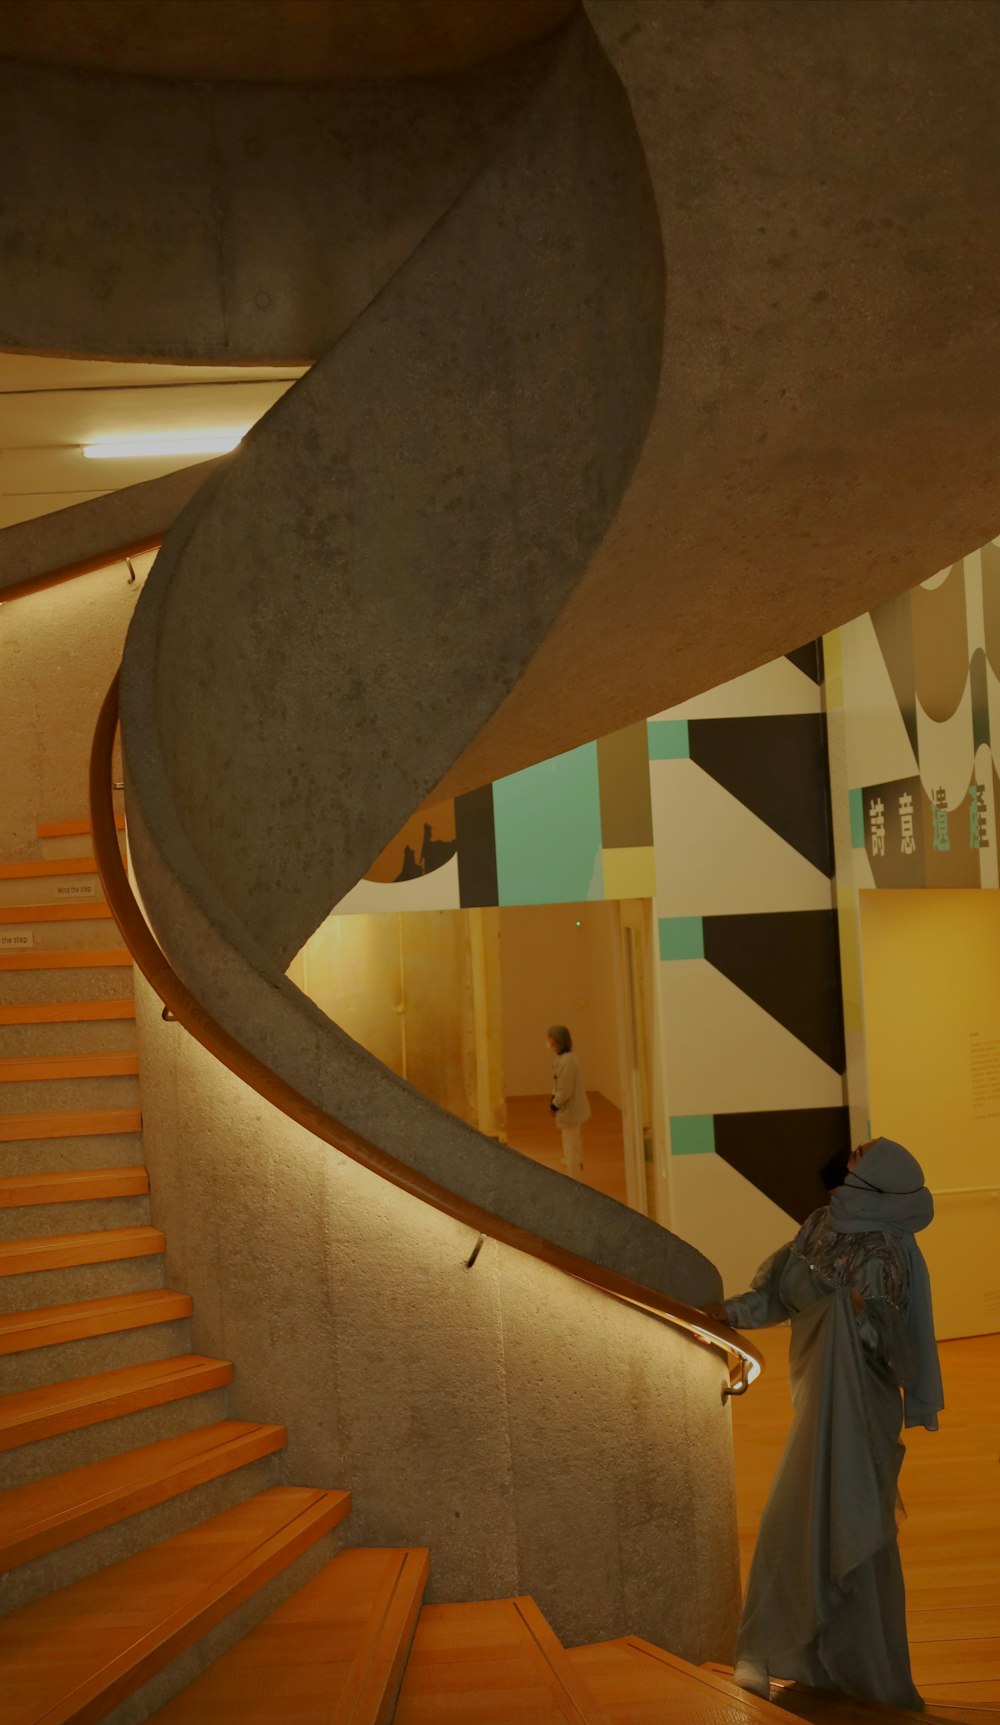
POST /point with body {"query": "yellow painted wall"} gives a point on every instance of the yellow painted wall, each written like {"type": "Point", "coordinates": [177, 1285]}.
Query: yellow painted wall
{"type": "Point", "coordinates": [931, 971]}
{"type": "Point", "coordinates": [558, 968]}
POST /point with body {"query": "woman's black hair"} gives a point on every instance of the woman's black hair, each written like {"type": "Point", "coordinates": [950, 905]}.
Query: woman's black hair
{"type": "Point", "coordinates": [561, 1037]}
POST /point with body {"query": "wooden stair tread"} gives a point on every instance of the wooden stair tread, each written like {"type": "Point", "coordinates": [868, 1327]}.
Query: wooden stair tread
{"type": "Point", "coordinates": [47, 868]}
{"type": "Point", "coordinates": [17, 1190]}
{"type": "Point", "coordinates": [44, 1326]}
{"type": "Point", "coordinates": [48, 1513]}
{"type": "Point", "coordinates": [70, 1123]}
{"type": "Point", "coordinates": [829, 1709]}
{"type": "Point", "coordinates": [499, 1663]}
{"type": "Point", "coordinates": [59, 958]}
{"type": "Point", "coordinates": [61, 1251]}
{"type": "Point", "coordinates": [76, 1654]}
{"type": "Point", "coordinates": [640, 1684]}
{"type": "Point", "coordinates": [26, 1416]}
{"type": "Point", "coordinates": [65, 1011]}
{"type": "Point", "coordinates": [334, 1651]}
{"type": "Point", "coordinates": [27, 1068]}
{"type": "Point", "coordinates": [69, 829]}
{"type": "Point", "coordinates": [90, 910]}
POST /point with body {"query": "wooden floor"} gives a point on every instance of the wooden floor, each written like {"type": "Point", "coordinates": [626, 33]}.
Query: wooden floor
{"type": "Point", "coordinates": [530, 1128]}
{"type": "Point", "coordinates": [950, 1541]}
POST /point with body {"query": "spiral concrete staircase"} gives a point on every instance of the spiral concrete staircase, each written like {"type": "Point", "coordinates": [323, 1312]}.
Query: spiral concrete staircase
{"type": "Point", "coordinates": [645, 342]}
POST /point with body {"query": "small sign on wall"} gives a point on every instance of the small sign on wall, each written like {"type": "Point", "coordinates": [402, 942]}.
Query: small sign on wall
{"type": "Point", "coordinates": [16, 939]}
{"type": "Point", "coordinates": [77, 889]}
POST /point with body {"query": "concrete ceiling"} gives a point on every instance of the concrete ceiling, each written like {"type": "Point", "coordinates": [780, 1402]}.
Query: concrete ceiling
{"type": "Point", "coordinates": [270, 41]}
{"type": "Point", "coordinates": [50, 407]}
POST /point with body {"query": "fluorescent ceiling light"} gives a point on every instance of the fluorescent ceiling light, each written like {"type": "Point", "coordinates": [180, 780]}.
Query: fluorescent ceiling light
{"type": "Point", "coordinates": [163, 443]}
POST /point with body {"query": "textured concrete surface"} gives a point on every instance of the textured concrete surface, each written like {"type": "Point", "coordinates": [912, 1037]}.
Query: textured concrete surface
{"type": "Point", "coordinates": [252, 222]}
{"type": "Point", "coordinates": [538, 1437]}
{"type": "Point", "coordinates": [830, 379]}
{"type": "Point", "coordinates": [36, 1461]}
{"type": "Point", "coordinates": [133, 1534]}
{"type": "Point", "coordinates": [50, 1365]}
{"type": "Point", "coordinates": [271, 41]}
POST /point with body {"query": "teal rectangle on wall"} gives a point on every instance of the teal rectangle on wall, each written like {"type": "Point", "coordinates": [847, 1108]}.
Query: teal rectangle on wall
{"type": "Point", "coordinates": [856, 803]}
{"type": "Point", "coordinates": [668, 740]}
{"type": "Point", "coordinates": [682, 937]}
{"type": "Point", "coordinates": [548, 831]}
{"type": "Point", "coordinates": [692, 1134]}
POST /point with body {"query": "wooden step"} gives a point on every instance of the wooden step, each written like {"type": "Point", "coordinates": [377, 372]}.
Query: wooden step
{"type": "Point", "coordinates": [46, 1326]}
{"type": "Point", "coordinates": [77, 1654]}
{"type": "Point", "coordinates": [822, 1708]}
{"type": "Point", "coordinates": [58, 958]}
{"type": "Point", "coordinates": [640, 1684]}
{"type": "Point", "coordinates": [63, 1251]}
{"type": "Point", "coordinates": [28, 1068]}
{"type": "Point", "coordinates": [51, 1512]}
{"type": "Point", "coordinates": [95, 910]}
{"type": "Point", "coordinates": [27, 1416]}
{"type": "Point", "coordinates": [498, 1662]}
{"type": "Point", "coordinates": [47, 869]}
{"type": "Point", "coordinates": [17, 1190]}
{"type": "Point", "coordinates": [70, 1123]}
{"type": "Point", "coordinates": [65, 1011]}
{"type": "Point", "coordinates": [335, 1650]}
{"type": "Point", "coordinates": [70, 829]}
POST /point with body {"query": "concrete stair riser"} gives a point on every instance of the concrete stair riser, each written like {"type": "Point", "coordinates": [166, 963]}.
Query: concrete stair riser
{"type": "Point", "coordinates": [79, 1282]}
{"type": "Point", "coordinates": [45, 889]}
{"type": "Point", "coordinates": [114, 1150]}
{"type": "Point", "coordinates": [90, 1036]}
{"type": "Point", "coordinates": [194, 1660]}
{"type": "Point", "coordinates": [134, 1533]}
{"type": "Point", "coordinates": [92, 1354]}
{"type": "Point", "coordinates": [103, 982]}
{"type": "Point", "coordinates": [53, 1095]}
{"type": "Point", "coordinates": [26, 1221]}
{"type": "Point", "coordinates": [68, 936]}
{"type": "Point", "coordinates": [34, 1461]}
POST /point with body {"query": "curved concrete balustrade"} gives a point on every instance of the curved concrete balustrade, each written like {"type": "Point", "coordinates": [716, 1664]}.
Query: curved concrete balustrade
{"type": "Point", "coordinates": [252, 222]}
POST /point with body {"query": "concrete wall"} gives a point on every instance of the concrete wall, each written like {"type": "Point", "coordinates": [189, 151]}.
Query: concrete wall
{"type": "Point", "coordinates": [58, 651]}
{"type": "Point", "coordinates": [558, 968]}
{"type": "Point", "coordinates": [538, 1437]}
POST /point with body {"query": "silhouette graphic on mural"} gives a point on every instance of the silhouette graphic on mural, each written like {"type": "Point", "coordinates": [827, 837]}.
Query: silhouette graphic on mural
{"type": "Point", "coordinates": [435, 852]}
{"type": "Point", "coordinates": [411, 869]}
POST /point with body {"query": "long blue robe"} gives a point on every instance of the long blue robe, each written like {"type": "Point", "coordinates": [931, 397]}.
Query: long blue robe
{"type": "Point", "coordinates": [825, 1603]}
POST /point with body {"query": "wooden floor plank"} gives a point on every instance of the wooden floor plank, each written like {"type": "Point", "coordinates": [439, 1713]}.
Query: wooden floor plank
{"type": "Point", "coordinates": [20, 1190]}
{"type": "Point", "coordinates": [27, 1416]}
{"type": "Point", "coordinates": [65, 1011]}
{"type": "Point", "coordinates": [49, 1513]}
{"type": "Point", "coordinates": [62, 1251]}
{"type": "Point", "coordinates": [45, 1326]}
{"type": "Point", "coordinates": [334, 1651]}
{"type": "Point", "coordinates": [69, 1123]}
{"type": "Point", "coordinates": [950, 1539]}
{"type": "Point", "coordinates": [638, 1684]}
{"type": "Point", "coordinates": [38, 1068]}
{"type": "Point", "coordinates": [492, 1663]}
{"type": "Point", "coordinates": [78, 1653]}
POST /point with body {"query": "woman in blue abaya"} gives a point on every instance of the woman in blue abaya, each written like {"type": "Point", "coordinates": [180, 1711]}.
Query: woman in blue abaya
{"type": "Point", "coordinates": [824, 1603]}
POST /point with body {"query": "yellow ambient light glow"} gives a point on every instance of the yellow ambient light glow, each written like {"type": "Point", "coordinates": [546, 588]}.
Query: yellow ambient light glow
{"type": "Point", "coordinates": [213, 442]}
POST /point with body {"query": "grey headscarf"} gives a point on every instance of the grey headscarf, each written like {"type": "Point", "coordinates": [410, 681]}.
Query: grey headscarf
{"type": "Point", "coordinates": [887, 1195]}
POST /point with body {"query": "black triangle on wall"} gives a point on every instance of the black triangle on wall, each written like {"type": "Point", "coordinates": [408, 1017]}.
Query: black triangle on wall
{"type": "Point", "coordinates": [781, 1151]}
{"type": "Point", "coordinates": [789, 963]}
{"type": "Point", "coordinates": [777, 767]}
{"type": "Point", "coordinates": [809, 660]}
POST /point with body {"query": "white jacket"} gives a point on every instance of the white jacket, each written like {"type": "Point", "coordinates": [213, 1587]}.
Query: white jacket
{"type": "Point", "coordinates": [568, 1094]}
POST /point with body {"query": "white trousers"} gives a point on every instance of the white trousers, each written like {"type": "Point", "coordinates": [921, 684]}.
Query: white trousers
{"type": "Point", "coordinates": [572, 1149]}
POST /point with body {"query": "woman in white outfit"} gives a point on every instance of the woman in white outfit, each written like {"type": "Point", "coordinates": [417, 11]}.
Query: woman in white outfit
{"type": "Point", "coordinates": [569, 1099]}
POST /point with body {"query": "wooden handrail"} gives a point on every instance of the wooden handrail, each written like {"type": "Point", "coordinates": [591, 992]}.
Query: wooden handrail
{"type": "Point", "coordinates": [84, 566]}
{"type": "Point", "coordinates": [746, 1362]}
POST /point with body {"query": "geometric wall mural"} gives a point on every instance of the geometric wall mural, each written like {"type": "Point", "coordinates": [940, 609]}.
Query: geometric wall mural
{"type": "Point", "coordinates": [572, 829]}
{"type": "Point", "coordinates": [753, 1038]}
{"type": "Point", "coordinates": [922, 707]}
